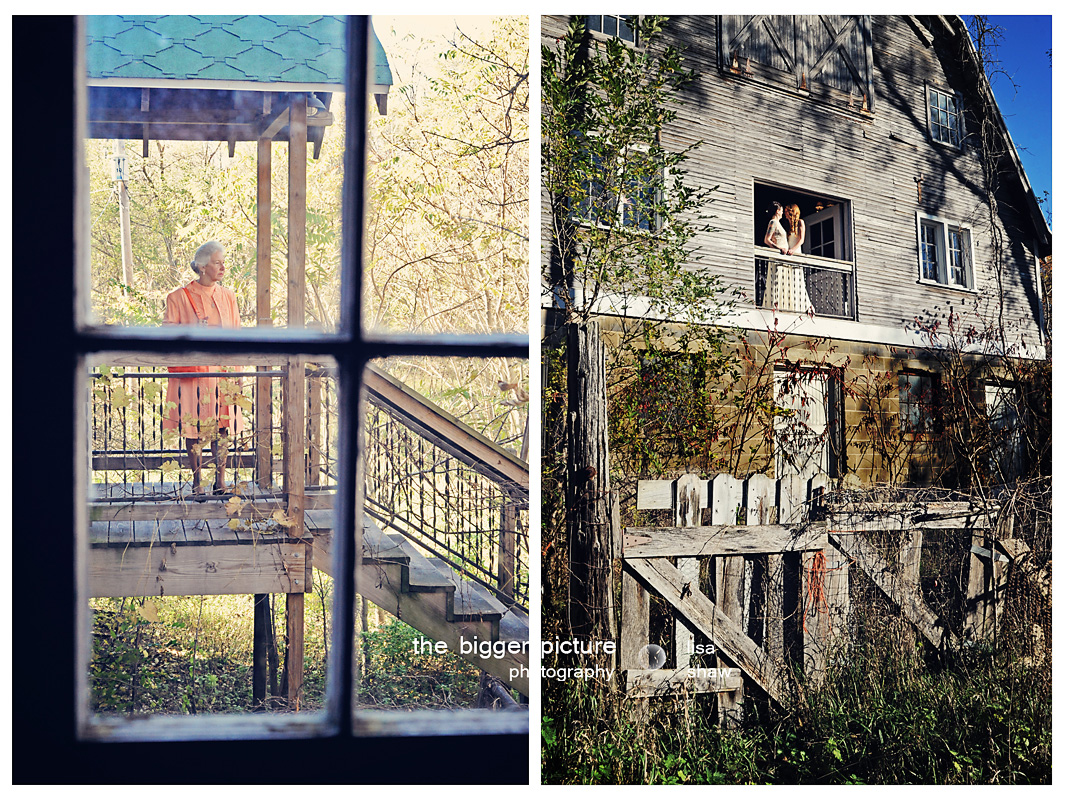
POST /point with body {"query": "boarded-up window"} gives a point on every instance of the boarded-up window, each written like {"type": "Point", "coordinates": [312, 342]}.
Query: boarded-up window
{"type": "Point", "coordinates": [826, 54]}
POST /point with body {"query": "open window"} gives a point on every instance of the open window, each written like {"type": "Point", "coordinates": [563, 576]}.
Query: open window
{"type": "Point", "coordinates": [817, 279]}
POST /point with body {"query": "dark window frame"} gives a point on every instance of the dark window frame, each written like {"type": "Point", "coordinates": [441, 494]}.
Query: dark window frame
{"type": "Point", "coordinates": [45, 632]}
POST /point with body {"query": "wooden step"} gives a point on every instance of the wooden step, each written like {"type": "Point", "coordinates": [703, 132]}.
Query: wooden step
{"type": "Point", "coordinates": [424, 576]}
{"type": "Point", "coordinates": [515, 626]}
{"type": "Point", "coordinates": [471, 599]}
{"type": "Point", "coordinates": [382, 547]}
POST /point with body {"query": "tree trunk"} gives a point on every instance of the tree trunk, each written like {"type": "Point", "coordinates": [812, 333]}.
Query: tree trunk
{"type": "Point", "coordinates": [589, 504]}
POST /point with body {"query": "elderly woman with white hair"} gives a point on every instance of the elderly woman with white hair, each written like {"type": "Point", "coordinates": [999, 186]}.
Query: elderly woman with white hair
{"type": "Point", "coordinates": [202, 408]}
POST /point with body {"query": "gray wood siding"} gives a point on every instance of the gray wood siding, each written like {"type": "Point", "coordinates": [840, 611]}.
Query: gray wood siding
{"type": "Point", "coordinates": [757, 131]}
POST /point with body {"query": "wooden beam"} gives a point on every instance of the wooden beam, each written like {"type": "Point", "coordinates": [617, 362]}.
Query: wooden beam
{"type": "Point", "coordinates": [722, 540]}
{"type": "Point", "coordinates": [671, 682]}
{"type": "Point", "coordinates": [867, 558]}
{"type": "Point", "coordinates": [169, 571]}
{"type": "Point", "coordinates": [133, 511]}
{"type": "Point", "coordinates": [724, 633]}
{"type": "Point", "coordinates": [293, 412]}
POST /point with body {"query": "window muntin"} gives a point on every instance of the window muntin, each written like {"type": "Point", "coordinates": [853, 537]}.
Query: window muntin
{"type": "Point", "coordinates": [617, 25]}
{"type": "Point", "coordinates": [945, 253]}
{"type": "Point", "coordinates": [350, 349]}
{"type": "Point", "coordinates": [946, 118]}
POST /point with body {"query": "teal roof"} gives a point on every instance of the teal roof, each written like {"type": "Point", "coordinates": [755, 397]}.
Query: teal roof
{"type": "Point", "coordinates": [255, 49]}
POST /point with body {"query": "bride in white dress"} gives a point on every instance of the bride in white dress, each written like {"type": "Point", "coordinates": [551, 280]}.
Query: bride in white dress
{"type": "Point", "coordinates": [786, 288]}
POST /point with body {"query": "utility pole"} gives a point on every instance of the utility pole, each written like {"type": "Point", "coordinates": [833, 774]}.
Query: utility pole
{"type": "Point", "coordinates": [118, 174]}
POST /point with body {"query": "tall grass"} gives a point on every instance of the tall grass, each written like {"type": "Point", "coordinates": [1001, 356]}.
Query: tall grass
{"type": "Point", "coordinates": [193, 655]}
{"type": "Point", "coordinates": [973, 717]}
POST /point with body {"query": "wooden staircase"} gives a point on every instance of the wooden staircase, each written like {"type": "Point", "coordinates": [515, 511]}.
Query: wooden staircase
{"type": "Point", "coordinates": [426, 593]}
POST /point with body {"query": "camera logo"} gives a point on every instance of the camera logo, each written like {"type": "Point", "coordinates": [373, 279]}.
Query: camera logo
{"type": "Point", "coordinates": [653, 656]}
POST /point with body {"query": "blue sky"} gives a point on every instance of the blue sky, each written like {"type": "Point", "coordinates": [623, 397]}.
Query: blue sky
{"type": "Point", "coordinates": [1027, 107]}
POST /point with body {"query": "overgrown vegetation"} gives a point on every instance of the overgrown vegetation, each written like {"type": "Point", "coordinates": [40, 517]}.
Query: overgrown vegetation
{"type": "Point", "coordinates": [193, 655]}
{"type": "Point", "coordinates": [878, 718]}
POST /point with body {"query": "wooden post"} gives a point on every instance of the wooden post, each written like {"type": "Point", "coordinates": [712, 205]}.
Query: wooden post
{"type": "Point", "coordinates": [295, 384]}
{"type": "Point", "coordinates": [314, 429]}
{"type": "Point", "coordinates": [261, 627]}
{"type": "Point", "coordinates": [264, 461]}
{"type": "Point", "coordinates": [726, 496]}
{"type": "Point", "coordinates": [505, 579]}
{"type": "Point", "coordinates": [686, 515]}
{"type": "Point", "coordinates": [633, 636]}
{"type": "Point", "coordinates": [589, 517]}
{"type": "Point", "coordinates": [977, 580]}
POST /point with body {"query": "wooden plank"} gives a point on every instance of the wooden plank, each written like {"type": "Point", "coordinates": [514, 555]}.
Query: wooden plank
{"type": "Point", "coordinates": [837, 595]}
{"type": "Point", "coordinates": [816, 609]}
{"type": "Point", "coordinates": [902, 521]}
{"type": "Point", "coordinates": [655, 495]}
{"type": "Point", "coordinates": [727, 499]}
{"type": "Point", "coordinates": [760, 501]}
{"type": "Point", "coordinates": [690, 680]}
{"type": "Point", "coordinates": [687, 516]}
{"type": "Point", "coordinates": [261, 434]}
{"type": "Point", "coordinates": [722, 540]}
{"type": "Point", "coordinates": [660, 494]}
{"type": "Point", "coordinates": [878, 570]}
{"type": "Point", "coordinates": [911, 547]}
{"type": "Point", "coordinates": [723, 632]}
{"type": "Point", "coordinates": [193, 570]}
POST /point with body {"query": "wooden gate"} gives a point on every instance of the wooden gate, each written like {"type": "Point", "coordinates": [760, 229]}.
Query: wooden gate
{"type": "Point", "coordinates": [774, 594]}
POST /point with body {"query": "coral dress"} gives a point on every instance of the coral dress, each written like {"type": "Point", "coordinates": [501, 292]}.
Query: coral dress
{"type": "Point", "coordinates": [200, 405]}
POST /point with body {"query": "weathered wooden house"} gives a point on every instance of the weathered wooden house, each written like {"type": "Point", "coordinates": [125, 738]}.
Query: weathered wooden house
{"type": "Point", "coordinates": [922, 234]}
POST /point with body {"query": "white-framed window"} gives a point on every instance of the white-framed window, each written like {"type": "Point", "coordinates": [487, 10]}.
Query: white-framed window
{"type": "Point", "coordinates": [946, 254]}
{"type": "Point", "coordinates": [1006, 456]}
{"type": "Point", "coordinates": [619, 26]}
{"type": "Point", "coordinates": [945, 115]}
{"type": "Point", "coordinates": [627, 193]}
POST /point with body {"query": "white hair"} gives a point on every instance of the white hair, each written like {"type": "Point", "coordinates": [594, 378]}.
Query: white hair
{"type": "Point", "coordinates": [204, 254]}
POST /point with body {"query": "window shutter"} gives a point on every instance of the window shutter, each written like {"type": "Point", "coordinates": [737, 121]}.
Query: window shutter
{"type": "Point", "coordinates": [768, 40]}
{"type": "Point", "coordinates": [837, 52]}
{"type": "Point", "coordinates": [827, 51]}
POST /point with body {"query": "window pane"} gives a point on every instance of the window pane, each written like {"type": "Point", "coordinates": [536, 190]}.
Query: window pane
{"type": "Point", "coordinates": [210, 499]}
{"type": "Point", "coordinates": [626, 32]}
{"type": "Point", "coordinates": [592, 22]}
{"type": "Point", "coordinates": [177, 157]}
{"type": "Point", "coordinates": [930, 260]}
{"type": "Point", "coordinates": [448, 185]}
{"type": "Point", "coordinates": [444, 583]}
{"type": "Point", "coordinates": [610, 24]}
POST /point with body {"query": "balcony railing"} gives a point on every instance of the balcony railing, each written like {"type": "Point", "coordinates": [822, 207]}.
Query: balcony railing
{"type": "Point", "coordinates": [805, 284]}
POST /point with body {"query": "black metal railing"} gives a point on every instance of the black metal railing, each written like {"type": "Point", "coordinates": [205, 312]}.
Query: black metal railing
{"type": "Point", "coordinates": [477, 524]}
{"type": "Point", "coordinates": [805, 284]}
